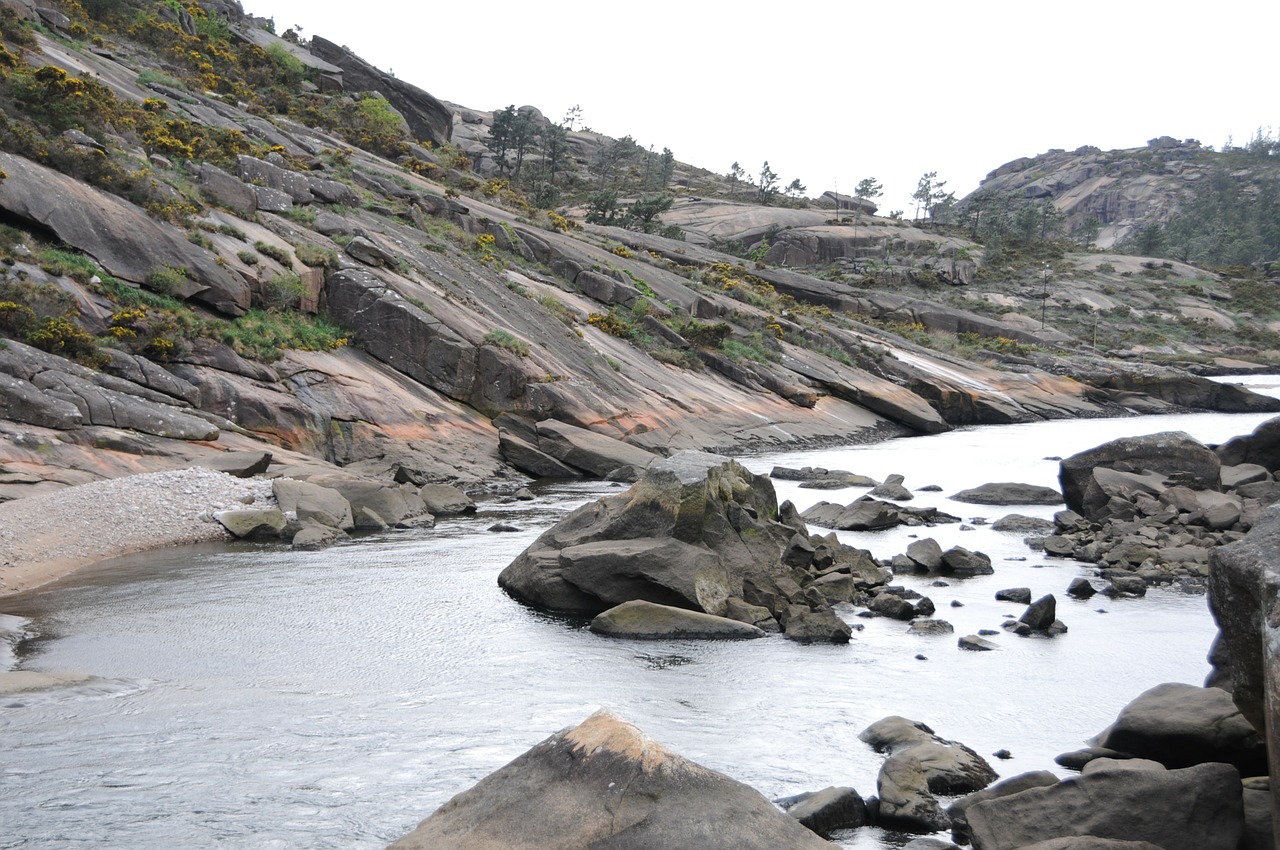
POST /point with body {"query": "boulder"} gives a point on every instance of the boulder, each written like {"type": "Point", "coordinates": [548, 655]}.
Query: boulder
{"type": "Point", "coordinates": [1261, 447]}
{"type": "Point", "coordinates": [1196, 808]}
{"type": "Point", "coordinates": [926, 553]}
{"type": "Point", "coordinates": [443, 500]}
{"type": "Point", "coordinates": [100, 405]}
{"type": "Point", "coordinates": [976, 643]}
{"type": "Point", "coordinates": [822, 479]}
{"type": "Point", "coordinates": [1020, 595]}
{"type": "Point", "coordinates": [1166, 454]}
{"type": "Point", "coordinates": [22, 401]}
{"type": "Point", "coordinates": [603, 784]}
{"type": "Point", "coordinates": [1080, 588]}
{"type": "Point", "coordinates": [1041, 614]}
{"type": "Point", "coordinates": [374, 505]}
{"type": "Point", "coordinates": [892, 489]}
{"type": "Point", "coordinates": [821, 626]}
{"type": "Point", "coordinates": [695, 531]}
{"type": "Point", "coordinates": [252, 523]}
{"type": "Point", "coordinates": [646, 620]}
{"type": "Point", "coordinates": [831, 809]}
{"type": "Point", "coordinates": [238, 464]}
{"type": "Point", "coordinates": [905, 801]}
{"type": "Point", "coordinates": [309, 502]}
{"type": "Point", "coordinates": [1013, 785]}
{"type": "Point", "coordinates": [931, 627]}
{"type": "Point", "coordinates": [586, 450]}
{"type": "Point", "coordinates": [428, 119]}
{"type": "Point", "coordinates": [920, 765]}
{"type": "Point", "coordinates": [531, 460]}
{"type": "Point", "coordinates": [313, 535]}
{"type": "Point", "coordinates": [1180, 725]}
{"type": "Point", "coordinates": [868, 514]}
{"type": "Point", "coordinates": [961, 562]}
{"type": "Point", "coordinates": [1006, 493]}
{"type": "Point", "coordinates": [1023, 524]}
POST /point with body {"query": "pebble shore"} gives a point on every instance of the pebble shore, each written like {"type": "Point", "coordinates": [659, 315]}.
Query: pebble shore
{"type": "Point", "coordinates": [47, 536]}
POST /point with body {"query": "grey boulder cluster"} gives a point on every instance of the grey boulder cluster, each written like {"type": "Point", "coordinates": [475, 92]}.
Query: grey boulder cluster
{"type": "Point", "coordinates": [320, 509]}
{"type": "Point", "coordinates": [698, 534]}
{"type": "Point", "coordinates": [1150, 510]}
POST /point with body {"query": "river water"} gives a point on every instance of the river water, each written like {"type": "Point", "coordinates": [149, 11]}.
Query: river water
{"type": "Point", "coordinates": [255, 697]}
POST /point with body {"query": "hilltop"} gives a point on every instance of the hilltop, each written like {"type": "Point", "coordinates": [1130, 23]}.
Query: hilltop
{"type": "Point", "coordinates": [219, 239]}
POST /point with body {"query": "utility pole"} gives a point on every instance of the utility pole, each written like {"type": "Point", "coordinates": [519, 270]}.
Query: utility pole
{"type": "Point", "coordinates": [1044, 296]}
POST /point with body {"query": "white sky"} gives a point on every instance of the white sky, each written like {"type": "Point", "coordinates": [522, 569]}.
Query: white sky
{"type": "Point", "coordinates": [831, 92]}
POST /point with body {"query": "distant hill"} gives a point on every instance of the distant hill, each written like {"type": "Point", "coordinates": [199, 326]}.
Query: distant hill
{"type": "Point", "coordinates": [1171, 198]}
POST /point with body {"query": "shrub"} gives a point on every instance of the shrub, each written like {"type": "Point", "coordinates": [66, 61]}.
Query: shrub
{"type": "Point", "coordinates": [503, 339]}
{"type": "Point", "coordinates": [283, 290]}
{"type": "Point", "coordinates": [60, 335]}
{"type": "Point", "coordinates": [249, 258]}
{"type": "Point", "coordinates": [262, 334]}
{"type": "Point", "coordinates": [275, 252]}
{"type": "Point", "coordinates": [316, 256]}
{"type": "Point", "coordinates": [167, 280]}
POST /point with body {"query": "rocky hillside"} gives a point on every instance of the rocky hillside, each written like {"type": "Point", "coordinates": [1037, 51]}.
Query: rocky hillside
{"type": "Point", "coordinates": [216, 238]}
{"type": "Point", "coordinates": [1176, 199]}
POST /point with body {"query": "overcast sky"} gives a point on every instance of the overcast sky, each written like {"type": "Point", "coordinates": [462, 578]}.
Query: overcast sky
{"type": "Point", "coordinates": [833, 92]}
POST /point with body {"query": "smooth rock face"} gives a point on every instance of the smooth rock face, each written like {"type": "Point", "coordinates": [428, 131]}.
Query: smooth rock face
{"type": "Point", "coordinates": [1244, 594]}
{"type": "Point", "coordinates": [604, 784]}
{"type": "Point", "coordinates": [645, 620]}
{"type": "Point", "coordinates": [1180, 725]}
{"type": "Point", "coordinates": [1196, 808]}
{"type": "Point", "coordinates": [120, 236]}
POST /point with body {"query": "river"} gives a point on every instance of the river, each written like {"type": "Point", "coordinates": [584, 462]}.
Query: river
{"type": "Point", "coordinates": [255, 697]}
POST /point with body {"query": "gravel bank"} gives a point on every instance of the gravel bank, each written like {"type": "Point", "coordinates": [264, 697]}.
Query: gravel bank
{"type": "Point", "coordinates": [45, 537]}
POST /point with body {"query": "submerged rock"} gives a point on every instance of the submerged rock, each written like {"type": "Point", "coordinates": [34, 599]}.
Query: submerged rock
{"type": "Point", "coordinates": [645, 620]}
{"type": "Point", "coordinates": [1009, 493]}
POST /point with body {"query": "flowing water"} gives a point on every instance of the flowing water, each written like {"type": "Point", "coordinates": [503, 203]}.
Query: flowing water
{"type": "Point", "coordinates": [255, 697]}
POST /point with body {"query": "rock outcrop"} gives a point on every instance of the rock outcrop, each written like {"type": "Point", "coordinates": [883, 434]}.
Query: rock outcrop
{"type": "Point", "coordinates": [700, 532]}
{"type": "Point", "coordinates": [118, 235]}
{"type": "Point", "coordinates": [605, 783]}
{"type": "Point", "coordinates": [1244, 596]}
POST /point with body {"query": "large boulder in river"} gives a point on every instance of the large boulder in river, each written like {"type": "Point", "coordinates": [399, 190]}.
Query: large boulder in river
{"type": "Point", "coordinates": [920, 765]}
{"type": "Point", "coordinates": [1196, 808]}
{"type": "Point", "coordinates": [696, 531]}
{"type": "Point", "coordinates": [602, 784]}
{"type": "Point", "coordinates": [1181, 725]}
{"type": "Point", "coordinates": [1161, 457]}
{"type": "Point", "coordinates": [686, 534]}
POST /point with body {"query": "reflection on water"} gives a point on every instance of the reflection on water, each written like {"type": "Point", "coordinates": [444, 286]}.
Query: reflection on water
{"type": "Point", "coordinates": [259, 697]}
